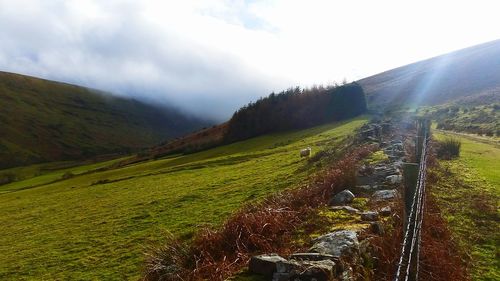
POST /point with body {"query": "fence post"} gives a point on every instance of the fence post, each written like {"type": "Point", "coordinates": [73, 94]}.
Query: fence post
{"type": "Point", "coordinates": [421, 125]}
{"type": "Point", "coordinates": [410, 175]}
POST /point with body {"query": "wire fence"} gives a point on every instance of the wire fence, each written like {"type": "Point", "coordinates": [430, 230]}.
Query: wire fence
{"type": "Point", "coordinates": [408, 265]}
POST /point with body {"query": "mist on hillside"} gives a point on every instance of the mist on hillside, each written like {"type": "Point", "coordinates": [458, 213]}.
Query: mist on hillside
{"type": "Point", "coordinates": [209, 58]}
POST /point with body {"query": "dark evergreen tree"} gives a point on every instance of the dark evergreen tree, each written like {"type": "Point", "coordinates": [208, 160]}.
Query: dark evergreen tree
{"type": "Point", "coordinates": [295, 109]}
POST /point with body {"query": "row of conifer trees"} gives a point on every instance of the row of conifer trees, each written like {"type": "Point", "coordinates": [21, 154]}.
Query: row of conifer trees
{"type": "Point", "coordinates": [297, 108]}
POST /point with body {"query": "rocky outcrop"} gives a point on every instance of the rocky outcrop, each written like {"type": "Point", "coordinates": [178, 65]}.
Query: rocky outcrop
{"type": "Point", "coordinates": [394, 179]}
{"type": "Point", "coordinates": [382, 195]}
{"type": "Point", "coordinates": [323, 263]}
{"type": "Point", "coordinates": [265, 265]}
{"type": "Point", "coordinates": [348, 209]}
{"type": "Point", "coordinates": [369, 216]}
{"type": "Point", "coordinates": [338, 244]}
{"type": "Point", "coordinates": [322, 270]}
{"type": "Point", "coordinates": [342, 198]}
{"type": "Point", "coordinates": [340, 255]}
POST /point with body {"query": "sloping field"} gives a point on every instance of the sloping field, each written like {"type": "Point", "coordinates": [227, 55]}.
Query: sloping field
{"type": "Point", "coordinates": [95, 225]}
{"type": "Point", "coordinates": [46, 173]}
{"type": "Point", "coordinates": [478, 119]}
{"type": "Point", "coordinates": [46, 121]}
{"type": "Point", "coordinates": [461, 74]}
{"type": "Point", "coordinates": [468, 192]}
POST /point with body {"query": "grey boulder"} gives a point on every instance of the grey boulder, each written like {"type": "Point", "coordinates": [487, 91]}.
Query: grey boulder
{"type": "Point", "coordinates": [323, 270]}
{"type": "Point", "coordinates": [348, 209]}
{"type": "Point", "coordinates": [394, 179]}
{"type": "Point", "coordinates": [312, 257]}
{"type": "Point", "coordinates": [342, 198]}
{"type": "Point", "coordinates": [369, 216]}
{"type": "Point", "coordinates": [264, 264]}
{"type": "Point", "coordinates": [386, 194]}
{"type": "Point", "coordinates": [338, 244]}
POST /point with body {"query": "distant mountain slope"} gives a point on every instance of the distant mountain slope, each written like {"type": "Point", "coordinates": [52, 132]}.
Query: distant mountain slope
{"type": "Point", "coordinates": [478, 114]}
{"type": "Point", "coordinates": [43, 120]}
{"type": "Point", "coordinates": [463, 73]}
{"type": "Point", "coordinates": [288, 110]}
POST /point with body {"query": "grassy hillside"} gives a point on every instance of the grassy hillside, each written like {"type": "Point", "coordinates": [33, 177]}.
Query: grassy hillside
{"type": "Point", "coordinates": [95, 225]}
{"type": "Point", "coordinates": [292, 109]}
{"type": "Point", "coordinates": [197, 141]}
{"type": "Point", "coordinates": [479, 115]}
{"type": "Point", "coordinates": [40, 174]}
{"type": "Point", "coordinates": [463, 73]}
{"type": "Point", "coordinates": [468, 192]}
{"type": "Point", "coordinates": [46, 121]}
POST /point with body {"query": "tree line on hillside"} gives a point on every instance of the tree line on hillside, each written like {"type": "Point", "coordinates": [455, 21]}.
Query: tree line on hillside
{"type": "Point", "coordinates": [297, 108]}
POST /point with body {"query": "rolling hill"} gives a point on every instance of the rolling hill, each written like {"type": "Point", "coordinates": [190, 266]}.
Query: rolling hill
{"type": "Point", "coordinates": [95, 225]}
{"type": "Point", "coordinates": [457, 75]}
{"type": "Point", "coordinates": [85, 221]}
{"type": "Point", "coordinates": [46, 121]}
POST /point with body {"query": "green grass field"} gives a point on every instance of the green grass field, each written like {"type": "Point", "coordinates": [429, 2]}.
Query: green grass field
{"type": "Point", "coordinates": [41, 174]}
{"type": "Point", "coordinates": [468, 193]}
{"type": "Point", "coordinates": [94, 226]}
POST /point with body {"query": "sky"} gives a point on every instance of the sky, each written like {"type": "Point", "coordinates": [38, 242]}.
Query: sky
{"type": "Point", "coordinates": [208, 58]}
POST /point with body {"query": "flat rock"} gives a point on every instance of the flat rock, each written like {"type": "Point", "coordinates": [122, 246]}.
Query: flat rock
{"type": "Point", "coordinates": [338, 244]}
{"type": "Point", "coordinates": [348, 209]}
{"type": "Point", "coordinates": [385, 211]}
{"type": "Point", "coordinates": [383, 167]}
{"type": "Point", "coordinates": [386, 194]}
{"type": "Point", "coordinates": [365, 187]}
{"type": "Point", "coordinates": [312, 257]}
{"type": "Point", "coordinates": [316, 270]}
{"type": "Point", "coordinates": [342, 198]}
{"type": "Point", "coordinates": [323, 270]}
{"type": "Point", "coordinates": [369, 216]}
{"type": "Point", "coordinates": [264, 264]}
{"type": "Point", "coordinates": [394, 179]}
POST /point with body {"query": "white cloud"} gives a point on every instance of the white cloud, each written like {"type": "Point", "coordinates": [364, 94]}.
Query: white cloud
{"type": "Point", "coordinates": [210, 57]}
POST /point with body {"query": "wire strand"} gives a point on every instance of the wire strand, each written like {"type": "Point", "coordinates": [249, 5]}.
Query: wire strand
{"type": "Point", "coordinates": [414, 221]}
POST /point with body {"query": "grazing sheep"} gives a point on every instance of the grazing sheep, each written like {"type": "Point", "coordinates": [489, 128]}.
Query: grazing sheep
{"type": "Point", "coordinates": [305, 152]}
